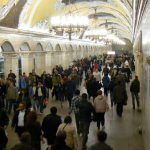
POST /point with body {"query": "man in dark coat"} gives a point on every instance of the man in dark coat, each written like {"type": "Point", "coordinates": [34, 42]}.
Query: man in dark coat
{"type": "Point", "coordinates": [135, 89]}
{"type": "Point", "coordinates": [50, 125]}
{"type": "Point", "coordinates": [101, 145]}
{"type": "Point", "coordinates": [70, 89]}
{"type": "Point", "coordinates": [120, 97]}
{"type": "Point", "coordinates": [19, 119]}
{"type": "Point", "coordinates": [85, 111]}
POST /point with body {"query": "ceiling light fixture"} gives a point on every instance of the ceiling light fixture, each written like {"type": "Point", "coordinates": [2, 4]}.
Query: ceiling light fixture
{"type": "Point", "coordinates": [69, 24]}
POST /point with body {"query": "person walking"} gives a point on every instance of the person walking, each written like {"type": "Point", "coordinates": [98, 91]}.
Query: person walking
{"type": "Point", "coordinates": [74, 107]}
{"type": "Point", "coordinates": [85, 110]}
{"type": "Point", "coordinates": [40, 94]}
{"type": "Point", "coordinates": [60, 143]}
{"type": "Point", "coordinates": [101, 106]}
{"type": "Point", "coordinates": [50, 126]}
{"type": "Point", "coordinates": [70, 89]}
{"type": "Point", "coordinates": [70, 130]}
{"type": "Point", "coordinates": [34, 128]}
{"type": "Point", "coordinates": [11, 97]}
{"type": "Point", "coordinates": [106, 82]}
{"type": "Point", "coordinates": [120, 97]}
{"type": "Point", "coordinates": [101, 145]}
{"type": "Point", "coordinates": [135, 89]}
{"type": "Point", "coordinates": [19, 119]}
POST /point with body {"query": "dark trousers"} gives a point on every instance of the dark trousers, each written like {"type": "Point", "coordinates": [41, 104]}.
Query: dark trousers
{"type": "Point", "coordinates": [20, 130]}
{"type": "Point", "coordinates": [119, 109]}
{"type": "Point", "coordinates": [100, 118]}
{"type": "Point", "coordinates": [11, 103]}
{"type": "Point", "coordinates": [40, 101]}
{"type": "Point", "coordinates": [84, 128]}
{"type": "Point", "coordinates": [106, 91]}
{"type": "Point", "coordinates": [55, 92]}
{"type": "Point", "coordinates": [135, 96]}
{"type": "Point", "coordinates": [112, 98]}
{"type": "Point", "coordinates": [69, 97]}
{"type": "Point", "coordinates": [77, 122]}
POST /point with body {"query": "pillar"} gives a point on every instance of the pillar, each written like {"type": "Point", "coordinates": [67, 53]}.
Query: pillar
{"type": "Point", "coordinates": [40, 63]}
{"type": "Point", "coordinates": [10, 63]}
{"type": "Point", "coordinates": [48, 62]}
{"type": "Point", "coordinates": [27, 63]}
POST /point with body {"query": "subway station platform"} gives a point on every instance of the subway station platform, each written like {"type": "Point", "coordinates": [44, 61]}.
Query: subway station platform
{"type": "Point", "coordinates": [37, 35]}
{"type": "Point", "coordinates": [123, 133]}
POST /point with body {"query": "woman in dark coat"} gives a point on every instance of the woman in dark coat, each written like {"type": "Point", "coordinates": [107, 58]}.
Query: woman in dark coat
{"type": "Point", "coordinates": [34, 128]}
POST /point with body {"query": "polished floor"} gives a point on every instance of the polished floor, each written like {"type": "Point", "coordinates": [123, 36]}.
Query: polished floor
{"type": "Point", "coordinates": [122, 132]}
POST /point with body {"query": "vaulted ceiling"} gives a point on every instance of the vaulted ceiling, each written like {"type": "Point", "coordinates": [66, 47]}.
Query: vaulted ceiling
{"type": "Point", "coordinates": [115, 14]}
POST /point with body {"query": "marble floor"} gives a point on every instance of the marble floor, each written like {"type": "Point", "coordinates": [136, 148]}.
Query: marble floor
{"type": "Point", "coordinates": [122, 132]}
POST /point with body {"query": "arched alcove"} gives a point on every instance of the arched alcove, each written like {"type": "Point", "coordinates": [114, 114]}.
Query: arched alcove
{"type": "Point", "coordinates": [70, 48]}
{"type": "Point", "coordinates": [39, 47]}
{"type": "Point", "coordinates": [79, 47]}
{"type": "Point", "coordinates": [7, 47]}
{"type": "Point", "coordinates": [49, 47]}
{"type": "Point", "coordinates": [87, 48]}
{"type": "Point", "coordinates": [25, 47]}
{"type": "Point", "coordinates": [57, 47]}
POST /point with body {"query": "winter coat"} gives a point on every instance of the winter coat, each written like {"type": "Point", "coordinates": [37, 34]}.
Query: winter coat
{"type": "Point", "coordinates": [22, 83]}
{"type": "Point", "coordinates": [50, 126]}
{"type": "Point", "coordinates": [43, 91]}
{"type": "Point", "coordinates": [100, 104]}
{"type": "Point", "coordinates": [85, 110]}
{"type": "Point", "coordinates": [70, 87]}
{"type": "Point", "coordinates": [56, 79]}
{"type": "Point", "coordinates": [106, 81]}
{"type": "Point", "coordinates": [71, 134]}
{"type": "Point", "coordinates": [97, 75]}
{"type": "Point", "coordinates": [11, 93]}
{"type": "Point", "coordinates": [135, 86]}
{"type": "Point", "coordinates": [120, 94]}
{"type": "Point", "coordinates": [34, 128]}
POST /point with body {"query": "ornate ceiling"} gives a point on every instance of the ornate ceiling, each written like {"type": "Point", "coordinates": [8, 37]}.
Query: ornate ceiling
{"type": "Point", "coordinates": [115, 14]}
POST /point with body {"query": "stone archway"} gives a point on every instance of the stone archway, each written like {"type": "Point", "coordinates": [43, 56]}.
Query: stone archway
{"type": "Point", "coordinates": [7, 47]}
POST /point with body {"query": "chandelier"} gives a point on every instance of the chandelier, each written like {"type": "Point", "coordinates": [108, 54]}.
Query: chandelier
{"type": "Point", "coordinates": [69, 24]}
{"type": "Point", "coordinates": [102, 36]}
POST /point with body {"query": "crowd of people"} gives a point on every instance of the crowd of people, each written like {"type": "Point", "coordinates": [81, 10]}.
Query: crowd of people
{"type": "Point", "coordinates": [30, 95]}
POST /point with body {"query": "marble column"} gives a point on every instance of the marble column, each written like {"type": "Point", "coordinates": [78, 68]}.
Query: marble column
{"type": "Point", "coordinates": [10, 63]}
{"type": "Point", "coordinates": [48, 62]}
{"type": "Point", "coordinates": [40, 63]}
{"type": "Point", "coordinates": [27, 63]}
